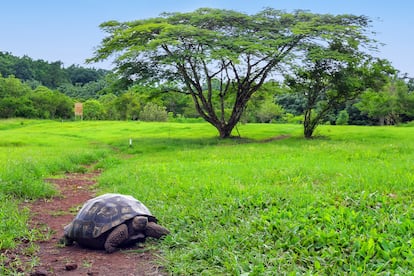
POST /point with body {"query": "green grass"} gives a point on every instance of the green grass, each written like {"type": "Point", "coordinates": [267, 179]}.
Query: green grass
{"type": "Point", "coordinates": [32, 150]}
{"type": "Point", "coordinates": [29, 152]}
{"type": "Point", "coordinates": [342, 203]}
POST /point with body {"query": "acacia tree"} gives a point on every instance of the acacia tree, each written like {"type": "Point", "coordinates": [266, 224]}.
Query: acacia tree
{"type": "Point", "coordinates": [329, 75]}
{"type": "Point", "coordinates": [188, 52]}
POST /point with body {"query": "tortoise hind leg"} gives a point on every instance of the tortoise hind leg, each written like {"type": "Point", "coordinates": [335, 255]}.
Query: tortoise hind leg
{"type": "Point", "coordinates": [118, 235]}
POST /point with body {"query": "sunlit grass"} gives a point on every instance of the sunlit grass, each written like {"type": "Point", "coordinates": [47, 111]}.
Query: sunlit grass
{"type": "Point", "coordinates": [331, 205]}
{"type": "Point", "coordinates": [29, 152]}
{"type": "Point", "coordinates": [270, 203]}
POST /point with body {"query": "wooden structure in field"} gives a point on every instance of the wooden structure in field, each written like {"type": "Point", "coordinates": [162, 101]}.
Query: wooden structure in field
{"type": "Point", "coordinates": [79, 111]}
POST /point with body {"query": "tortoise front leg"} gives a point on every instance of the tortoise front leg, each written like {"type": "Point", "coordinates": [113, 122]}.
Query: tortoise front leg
{"type": "Point", "coordinates": [116, 237]}
{"type": "Point", "coordinates": [155, 230]}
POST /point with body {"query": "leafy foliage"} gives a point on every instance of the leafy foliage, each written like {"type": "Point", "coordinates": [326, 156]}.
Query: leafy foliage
{"type": "Point", "coordinates": [51, 74]}
{"type": "Point", "coordinates": [153, 113]}
{"type": "Point", "coordinates": [80, 76]}
{"type": "Point", "coordinates": [343, 118]}
{"type": "Point", "coordinates": [221, 63]}
{"type": "Point", "coordinates": [220, 57]}
{"type": "Point", "coordinates": [19, 100]}
{"type": "Point", "coordinates": [128, 106]}
{"type": "Point", "coordinates": [94, 110]}
{"type": "Point", "coordinates": [388, 104]}
{"type": "Point", "coordinates": [331, 76]}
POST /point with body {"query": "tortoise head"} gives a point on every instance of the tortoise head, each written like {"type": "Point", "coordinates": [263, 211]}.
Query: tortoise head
{"type": "Point", "coordinates": [139, 223]}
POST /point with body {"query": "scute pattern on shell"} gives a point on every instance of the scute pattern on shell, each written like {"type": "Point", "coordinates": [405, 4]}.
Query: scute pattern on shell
{"type": "Point", "coordinates": [102, 213]}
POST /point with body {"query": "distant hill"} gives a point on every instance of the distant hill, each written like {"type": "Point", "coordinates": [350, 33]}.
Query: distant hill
{"type": "Point", "coordinates": [49, 74]}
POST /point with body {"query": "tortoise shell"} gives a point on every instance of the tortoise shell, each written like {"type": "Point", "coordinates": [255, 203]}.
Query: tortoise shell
{"type": "Point", "coordinates": [101, 214]}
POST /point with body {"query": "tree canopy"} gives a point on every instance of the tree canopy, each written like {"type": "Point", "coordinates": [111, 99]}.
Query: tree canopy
{"type": "Point", "coordinates": [388, 103]}
{"type": "Point", "coordinates": [223, 66]}
{"type": "Point", "coordinates": [50, 74]}
{"type": "Point", "coordinates": [329, 77]}
{"type": "Point", "coordinates": [220, 57]}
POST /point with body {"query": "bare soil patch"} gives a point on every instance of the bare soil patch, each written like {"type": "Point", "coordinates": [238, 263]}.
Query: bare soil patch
{"type": "Point", "coordinates": [52, 215]}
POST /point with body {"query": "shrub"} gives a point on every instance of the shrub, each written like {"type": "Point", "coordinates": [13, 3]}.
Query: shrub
{"type": "Point", "coordinates": [343, 118]}
{"type": "Point", "coordinates": [93, 110]}
{"type": "Point", "coordinates": [292, 119]}
{"type": "Point", "coordinates": [153, 113]}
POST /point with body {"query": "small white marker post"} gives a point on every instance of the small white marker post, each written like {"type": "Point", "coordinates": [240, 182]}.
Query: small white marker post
{"type": "Point", "coordinates": [130, 142]}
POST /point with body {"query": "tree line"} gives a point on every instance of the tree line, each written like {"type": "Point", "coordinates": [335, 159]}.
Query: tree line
{"type": "Point", "coordinates": [49, 74]}
{"type": "Point", "coordinates": [223, 67]}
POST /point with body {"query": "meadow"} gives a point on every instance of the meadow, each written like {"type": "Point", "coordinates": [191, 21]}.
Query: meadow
{"type": "Point", "coordinates": [269, 203]}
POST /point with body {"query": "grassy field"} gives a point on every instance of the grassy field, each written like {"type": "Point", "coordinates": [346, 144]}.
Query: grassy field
{"type": "Point", "coordinates": [342, 203]}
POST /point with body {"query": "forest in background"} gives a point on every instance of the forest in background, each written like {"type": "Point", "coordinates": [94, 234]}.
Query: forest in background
{"type": "Point", "coordinates": [47, 90]}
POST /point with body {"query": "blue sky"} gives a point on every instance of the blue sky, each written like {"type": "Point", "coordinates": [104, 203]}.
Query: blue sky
{"type": "Point", "coordinates": [68, 30]}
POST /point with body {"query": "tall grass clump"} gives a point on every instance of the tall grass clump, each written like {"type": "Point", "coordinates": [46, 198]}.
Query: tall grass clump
{"type": "Point", "coordinates": [12, 222]}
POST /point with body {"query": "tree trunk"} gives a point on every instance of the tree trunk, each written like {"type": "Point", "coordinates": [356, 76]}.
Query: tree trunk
{"type": "Point", "coordinates": [225, 129]}
{"type": "Point", "coordinates": [308, 126]}
{"type": "Point", "coordinates": [308, 132]}
{"type": "Point", "coordinates": [225, 132]}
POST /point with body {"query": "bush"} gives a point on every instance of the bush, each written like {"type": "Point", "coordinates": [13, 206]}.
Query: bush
{"type": "Point", "coordinates": [292, 119]}
{"type": "Point", "coordinates": [93, 110]}
{"type": "Point", "coordinates": [153, 113]}
{"type": "Point", "coordinates": [343, 118]}
{"type": "Point", "coordinates": [268, 111]}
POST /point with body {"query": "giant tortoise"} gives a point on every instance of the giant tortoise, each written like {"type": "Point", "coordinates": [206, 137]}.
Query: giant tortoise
{"type": "Point", "coordinates": [111, 221]}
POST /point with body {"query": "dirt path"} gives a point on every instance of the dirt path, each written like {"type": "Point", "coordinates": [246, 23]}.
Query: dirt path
{"type": "Point", "coordinates": [53, 214]}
